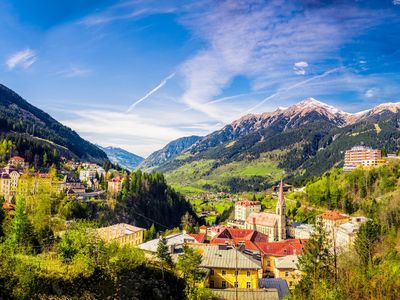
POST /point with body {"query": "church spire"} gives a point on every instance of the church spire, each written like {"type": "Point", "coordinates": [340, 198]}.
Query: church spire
{"type": "Point", "coordinates": [281, 196]}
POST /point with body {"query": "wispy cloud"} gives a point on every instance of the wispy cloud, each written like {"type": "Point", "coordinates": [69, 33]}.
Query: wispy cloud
{"type": "Point", "coordinates": [159, 86]}
{"type": "Point", "coordinates": [260, 41]}
{"type": "Point", "coordinates": [23, 59]}
{"type": "Point", "coordinates": [74, 71]}
{"type": "Point", "coordinates": [396, 2]}
{"type": "Point", "coordinates": [299, 67]}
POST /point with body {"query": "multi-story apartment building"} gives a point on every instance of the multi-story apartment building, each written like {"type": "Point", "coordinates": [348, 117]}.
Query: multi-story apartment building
{"type": "Point", "coordinates": [244, 208]}
{"type": "Point", "coordinates": [362, 156]}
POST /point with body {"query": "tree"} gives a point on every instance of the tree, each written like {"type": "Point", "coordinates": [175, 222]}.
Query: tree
{"type": "Point", "coordinates": [317, 263]}
{"type": "Point", "coordinates": [150, 233]}
{"type": "Point", "coordinates": [189, 266]}
{"type": "Point", "coordinates": [365, 241]}
{"type": "Point", "coordinates": [163, 254]}
{"type": "Point", "coordinates": [2, 216]}
{"type": "Point", "coordinates": [21, 234]}
{"type": "Point", "coordinates": [187, 222]}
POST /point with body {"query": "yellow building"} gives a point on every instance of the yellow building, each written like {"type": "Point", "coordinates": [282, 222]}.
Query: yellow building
{"type": "Point", "coordinates": [123, 234]}
{"type": "Point", "coordinates": [286, 268]}
{"type": "Point", "coordinates": [114, 185]}
{"type": "Point", "coordinates": [229, 268]}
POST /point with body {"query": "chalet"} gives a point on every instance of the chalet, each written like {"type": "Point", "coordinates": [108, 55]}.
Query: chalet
{"type": "Point", "coordinates": [123, 234]}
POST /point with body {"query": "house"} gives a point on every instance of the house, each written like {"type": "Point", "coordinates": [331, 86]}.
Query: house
{"type": "Point", "coordinates": [298, 230]}
{"type": "Point", "coordinates": [200, 237]}
{"type": "Point", "coordinates": [286, 267]}
{"type": "Point", "coordinates": [244, 208]}
{"type": "Point", "coordinates": [331, 219]}
{"type": "Point", "coordinates": [235, 236]}
{"type": "Point", "coordinates": [17, 161]}
{"type": "Point", "coordinates": [229, 267]}
{"type": "Point", "coordinates": [346, 233]}
{"type": "Point", "coordinates": [174, 242]}
{"type": "Point", "coordinates": [273, 225]}
{"type": "Point", "coordinates": [114, 185]}
{"type": "Point", "coordinates": [123, 234]}
{"type": "Point", "coordinates": [9, 179]}
{"type": "Point", "coordinates": [270, 251]}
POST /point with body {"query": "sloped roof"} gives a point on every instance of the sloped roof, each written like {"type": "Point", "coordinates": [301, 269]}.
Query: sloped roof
{"type": "Point", "coordinates": [287, 262]}
{"type": "Point", "coordinates": [247, 236]}
{"type": "Point", "coordinates": [200, 237]}
{"type": "Point", "coordinates": [223, 256]}
{"type": "Point", "coordinates": [173, 239]}
{"type": "Point", "coordinates": [247, 203]}
{"type": "Point", "coordinates": [262, 219]}
{"type": "Point", "coordinates": [282, 248]}
{"type": "Point", "coordinates": [116, 231]}
{"type": "Point", "coordinates": [275, 283]}
{"type": "Point", "coordinates": [333, 215]}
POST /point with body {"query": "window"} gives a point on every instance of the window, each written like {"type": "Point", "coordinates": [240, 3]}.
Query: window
{"type": "Point", "coordinates": [286, 274]}
{"type": "Point", "coordinates": [248, 285]}
{"type": "Point", "coordinates": [223, 284]}
{"type": "Point", "coordinates": [211, 283]}
{"type": "Point", "coordinates": [223, 272]}
{"type": "Point", "coordinates": [248, 273]}
{"type": "Point", "coordinates": [212, 272]}
{"type": "Point", "coordinates": [236, 284]}
{"type": "Point", "coordinates": [236, 273]}
{"type": "Point", "coordinates": [268, 263]}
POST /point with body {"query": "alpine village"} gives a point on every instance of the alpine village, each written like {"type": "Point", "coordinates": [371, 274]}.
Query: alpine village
{"type": "Point", "coordinates": [200, 150]}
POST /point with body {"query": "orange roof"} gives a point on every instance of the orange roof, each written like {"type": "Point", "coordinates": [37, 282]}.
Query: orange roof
{"type": "Point", "coordinates": [203, 227]}
{"type": "Point", "coordinates": [282, 248]}
{"type": "Point", "coordinates": [7, 205]}
{"type": "Point", "coordinates": [262, 218]}
{"type": "Point", "coordinates": [247, 203]}
{"type": "Point", "coordinates": [200, 237]}
{"type": "Point", "coordinates": [333, 215]}
{"type": "Point", "coordinates": [18, 158]}
{"type": "Point", "coordinates": [248, 236]}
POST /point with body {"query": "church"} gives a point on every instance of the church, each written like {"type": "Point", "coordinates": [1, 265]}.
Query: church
{"type": "Point", "coordinates": [273, 225]}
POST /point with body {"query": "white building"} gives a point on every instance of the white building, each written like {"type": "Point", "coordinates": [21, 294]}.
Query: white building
{"type": "Point", "coordinates": [174, 242]}
{"type": "Point", "coordinates": [346, 233]}
{"type": "Point", "coordinates": [244, 208]}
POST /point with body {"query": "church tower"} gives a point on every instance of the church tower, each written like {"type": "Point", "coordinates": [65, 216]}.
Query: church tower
{"type": "Point", "coordinates": [281, 213]}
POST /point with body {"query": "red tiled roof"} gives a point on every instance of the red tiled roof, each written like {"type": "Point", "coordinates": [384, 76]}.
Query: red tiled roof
{"type": "Point", "coordinates": [7, 205]}
{"type": "Point", "coordinates": [203, 227]}
{"type": "Point", "coordinates": [333, 215]}
{"type": "Point", "coordinates": [248, 236]}
{"type": "Point", "coordinates": [262, 218]}
{"type": "Point", "coordinates": [247, 203]}
{"type": "Point", "coordinates": [200, 237]}
{"type": "Point", "coordinates": [282, 248]}
{"type": "Point", "coordinates": [17, 158]}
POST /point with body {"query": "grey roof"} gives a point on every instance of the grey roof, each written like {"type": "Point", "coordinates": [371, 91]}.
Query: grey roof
{"type": "Point", "coordinates": [172, 240]}
{"type": "Point", "coordinates": [275, 283]}
{"type": "Point", "coordinates": [223, 256]}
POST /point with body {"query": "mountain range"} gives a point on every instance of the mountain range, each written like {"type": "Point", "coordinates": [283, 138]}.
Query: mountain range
{"type": "Point", "coordinates": [296, 142]}
{"type": "Point", "coordinates": [35, 133]}
{"type": "Point", "coordinates": [122, 157]}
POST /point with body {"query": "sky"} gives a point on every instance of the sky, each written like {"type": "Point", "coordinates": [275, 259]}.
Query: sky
{"type": "Point", "coordinates": [137, 74]}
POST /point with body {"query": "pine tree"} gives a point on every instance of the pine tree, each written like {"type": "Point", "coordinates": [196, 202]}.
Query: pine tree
{"type": "Point", "coordinates": [365, 241]}
{"type": "Point", "coordinates": [189, 265]}
{"type": "Point", "coordinates": [162, 252]}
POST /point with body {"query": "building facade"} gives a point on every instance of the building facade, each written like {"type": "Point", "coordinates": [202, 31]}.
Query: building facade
{"type": "Point", "coordinates": [123, 234]}
{"type": "Point", "coordinates": [244, 208]}
{"type": "Point", "coordinates": [362, 156]}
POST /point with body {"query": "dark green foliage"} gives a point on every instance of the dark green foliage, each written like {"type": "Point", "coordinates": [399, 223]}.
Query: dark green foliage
{"type": "Point", "coordinates": [366, 240]}
{"type": "Point", "coordinates": [163, 252]}
{"type": "Point", "coordinates": [35, 133]}
{"type": "Point", "coordinates": [146, 199]}
{"type": "Point", "coordinates": [150, 233]}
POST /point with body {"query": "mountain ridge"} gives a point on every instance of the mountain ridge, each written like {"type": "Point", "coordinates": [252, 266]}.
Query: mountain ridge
{"type": "Point", "coordinates": [122, 157]}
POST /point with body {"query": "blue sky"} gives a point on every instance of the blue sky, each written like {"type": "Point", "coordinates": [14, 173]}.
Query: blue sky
{"type": "Point", "coordinates": [138, 74]}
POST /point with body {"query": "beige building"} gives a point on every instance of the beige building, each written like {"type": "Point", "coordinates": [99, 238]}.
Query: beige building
{"type": "Point", "coordinates": [331, 220]}
{"type": "Point", "coordinates": [273, 225]}
{"type": "Point", "coordinates": [362, 156]}
{"type": "Point", "coordinates": [114, 185]}
{"type": "Point", "coordinates": [17, 161]}
{"type": "Point", "coordinates": [244, 208]}
{"type": "Point", "coordinates": [123, 234]}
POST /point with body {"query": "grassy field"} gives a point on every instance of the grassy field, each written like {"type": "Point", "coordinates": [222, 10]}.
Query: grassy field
{"type": "Point", "coordinates": [197, 176]}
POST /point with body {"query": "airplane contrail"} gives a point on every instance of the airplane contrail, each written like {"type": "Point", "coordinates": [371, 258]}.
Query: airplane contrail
{"type": "Point", "coordinates": [159, 86]}
{"type": "Point", "coordinates": [291, 87]}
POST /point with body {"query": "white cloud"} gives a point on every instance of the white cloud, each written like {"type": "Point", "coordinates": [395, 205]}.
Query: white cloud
{"type": "Point", "coordinates": [75, 71]}
{"type": "Point", "coordinates": [371, 93]}
{"type": "Point", "coordinates": [23, 59]}
{"type": "Point", "coordinates": [260, 41]}
{"type": "Point", "coordinates": [396, 2]}
{"type": "Point", "coordinates": [299, 67]}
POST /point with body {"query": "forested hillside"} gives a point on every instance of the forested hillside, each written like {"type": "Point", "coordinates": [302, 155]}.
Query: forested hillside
{"type": "Point", "coordinates": [34, 132]}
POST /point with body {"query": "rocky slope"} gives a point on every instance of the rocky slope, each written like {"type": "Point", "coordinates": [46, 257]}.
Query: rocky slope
{"type": "Point", "coordinates": [122, 157]}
